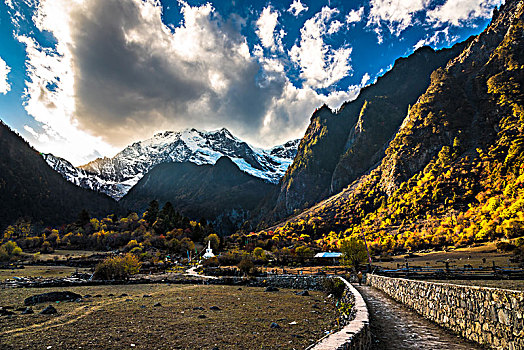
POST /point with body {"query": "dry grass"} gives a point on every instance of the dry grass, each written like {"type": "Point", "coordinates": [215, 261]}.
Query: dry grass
{"type": "Point", "coordinates": [40, 271]}
{"type": "Point", "coordinates": [503, 284]}
{"type": "Point", "coordinates": [114, 322]}
{"type": "Point", "coordinates": [472, 255]}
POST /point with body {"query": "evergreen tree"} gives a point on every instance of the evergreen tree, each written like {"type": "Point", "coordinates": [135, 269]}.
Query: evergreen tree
{"type": "Point", "coordinates": [151, 213]}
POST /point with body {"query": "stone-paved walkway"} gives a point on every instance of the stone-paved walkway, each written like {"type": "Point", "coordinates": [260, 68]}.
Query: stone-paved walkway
{"type": "Point", "coordinates": [394, 326]}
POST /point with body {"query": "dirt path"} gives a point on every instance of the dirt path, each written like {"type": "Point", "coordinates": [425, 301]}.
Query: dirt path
{"type": "Point", "coordinates": [394, 326]}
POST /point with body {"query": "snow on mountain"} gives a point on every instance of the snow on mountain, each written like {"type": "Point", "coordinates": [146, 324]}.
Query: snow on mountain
{"type": "Point", "coordinates": [115, 176]}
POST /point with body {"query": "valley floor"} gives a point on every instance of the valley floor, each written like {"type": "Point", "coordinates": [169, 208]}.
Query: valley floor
{"type": "Point", "coordinates": [108, 320]}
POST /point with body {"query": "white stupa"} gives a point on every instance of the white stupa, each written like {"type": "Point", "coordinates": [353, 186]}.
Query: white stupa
{"type": "Point", "coordinates": [209, 252]}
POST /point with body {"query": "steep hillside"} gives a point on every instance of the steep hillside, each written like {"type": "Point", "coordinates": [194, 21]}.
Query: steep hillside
{"type": "Point", "coordinates": [454, 172]}
{"type": "Point", "coordinates": [221, 193]}
{"type": "Point", "coordinates": [115, 176]}
{"type": "Point", "coordinates": [29, 188]}
{"type": "Point", "coordinates": [340, 146]}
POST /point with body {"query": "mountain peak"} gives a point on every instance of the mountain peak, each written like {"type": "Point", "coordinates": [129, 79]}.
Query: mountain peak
{"type": "Point", "coordinates": [115, 176]}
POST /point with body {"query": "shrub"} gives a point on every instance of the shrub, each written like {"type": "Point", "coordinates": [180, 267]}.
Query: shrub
{"type": "Point", "coordinates": [247, 266]}
{"type": "Point", "coordinates": [506, 247]}
{"type": "Point", "coordinates": [333, 286]}
{"type": "Point", "coordinates": [118, 267]}
{"type": "Point", "coordinates": [9, 250]}
{"type": "Point", "coordinates": [46, 248]}
{"type": "Point", "coordinates": [211, 262]}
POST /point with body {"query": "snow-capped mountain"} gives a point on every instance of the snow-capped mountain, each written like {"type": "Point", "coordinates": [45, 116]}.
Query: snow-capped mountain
{"type": "Point", "coordinates": [115, 176]}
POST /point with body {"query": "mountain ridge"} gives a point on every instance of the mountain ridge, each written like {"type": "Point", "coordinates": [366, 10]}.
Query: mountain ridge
{"type": "Point", "coordinates": [116, 175]}
{"type": "Point", "coordinates": [340, 146]}
{"type": "Point", "coordinates": [221, 193]}
{"type": "Point", "coordinates": [454, 172]}
{"type": "Point", "coordinates": [31, 189]}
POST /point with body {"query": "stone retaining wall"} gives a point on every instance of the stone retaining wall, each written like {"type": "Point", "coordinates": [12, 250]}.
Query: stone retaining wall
{"type": "Point", "coordinates": [356, 334]}
{"type": "Point", "coordinates": [289, 281]}
{"type": "Point", "coordinates": [488, 316]}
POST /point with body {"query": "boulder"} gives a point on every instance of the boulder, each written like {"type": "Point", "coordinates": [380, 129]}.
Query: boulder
{"type": "Point", "coordinates": [271, 289]}
{"type": "Point", "coordinates": [28, 311]}
{"type": "Point", "coordinates": [48, 310]}
{"type": "Point", "coordinates": [51, 296]}
{"type": "Point", "coordinates": [5, 312]}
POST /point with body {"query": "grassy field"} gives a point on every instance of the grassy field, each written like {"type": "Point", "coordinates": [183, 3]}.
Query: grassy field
{"type": "Point", "coordinates": [62, 254]}
{"type": "Point", "coordinates": [504, 284]}
{"type": "Point", "coordinates": [40, 271]}
{"type": "Point", "coordinates": [458, 257]}
{"type": "Point", "coordinates": [108, 320]}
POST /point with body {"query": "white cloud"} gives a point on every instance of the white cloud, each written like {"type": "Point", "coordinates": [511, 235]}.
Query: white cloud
{"type": "Point", "coordinates": [266, 25]}
{"type": "Point", "coordinates": [5, 87]}
{"type": "Point", "coordinates": [395, 14]}
{"type": "Point", "coordinates": [438, 37]}
{"type": "Point", "coordinates": [365, 79]}
{"type": "Point", "coordinates": [457, 12]}
{"type": "Point", "coordinates": [321, 65]}
{"type": "Point", "coordinates": [297, 7]}
{"type": "Point", "coordinates": [334, 27]}
{"type": "Point", "coordinates": [355, 16]}
{"type": "Point", "coordinates": [399, 15]}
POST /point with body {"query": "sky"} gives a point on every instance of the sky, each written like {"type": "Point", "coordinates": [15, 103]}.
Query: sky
{"type": "Point", "coordinates": [84, 78]}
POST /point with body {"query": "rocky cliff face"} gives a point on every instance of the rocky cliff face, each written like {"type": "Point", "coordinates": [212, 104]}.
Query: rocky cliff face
{"type": "Point", "coordinates": [340, 146]}
{"type": "Point", "coordinates": [453, 172]}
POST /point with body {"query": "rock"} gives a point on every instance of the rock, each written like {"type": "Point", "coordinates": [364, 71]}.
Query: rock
{"type": "Point", "coordinates": [52, 296]}
{"type": "Point", "coordinates": [20, 309]}
{"type": "Point", "coordinates": [129, 299]}
{"type": "Point", "coordinates": [146, 296]}
{"type": "Point", "coordinates": [157, 305]}
{"type": "Point", "coordinates": [27, 311]}
{"type": "Point", "coordinates": [198, 308]}
{"type": "Point", "coordinates": [5, 312]}
{"type": "Point", "coordinates": [142, 306]}
{"type": "Point", "coordinates": [303, 293]}
{"type": "Point", "coordinates": [110, 295]}
{"type": "Point", "coordinates": [123, 295]}
{"type": "Point", "coordinates": [239, 289]}
{"type": "Point", "coordinates": [274, 325]}
{"type": "Point", "coordinates": [87, 296]}
{"type": "Point", "coordinates": [48, 310]}
{"type": "Point", "coordinates": [202, 316]}
{"type": "Point", "coordinates": [271, 289]}
{"type": "Point", "coordinates": [216, 308]}
{"type": "Point", "coordinates": [98, 296]}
